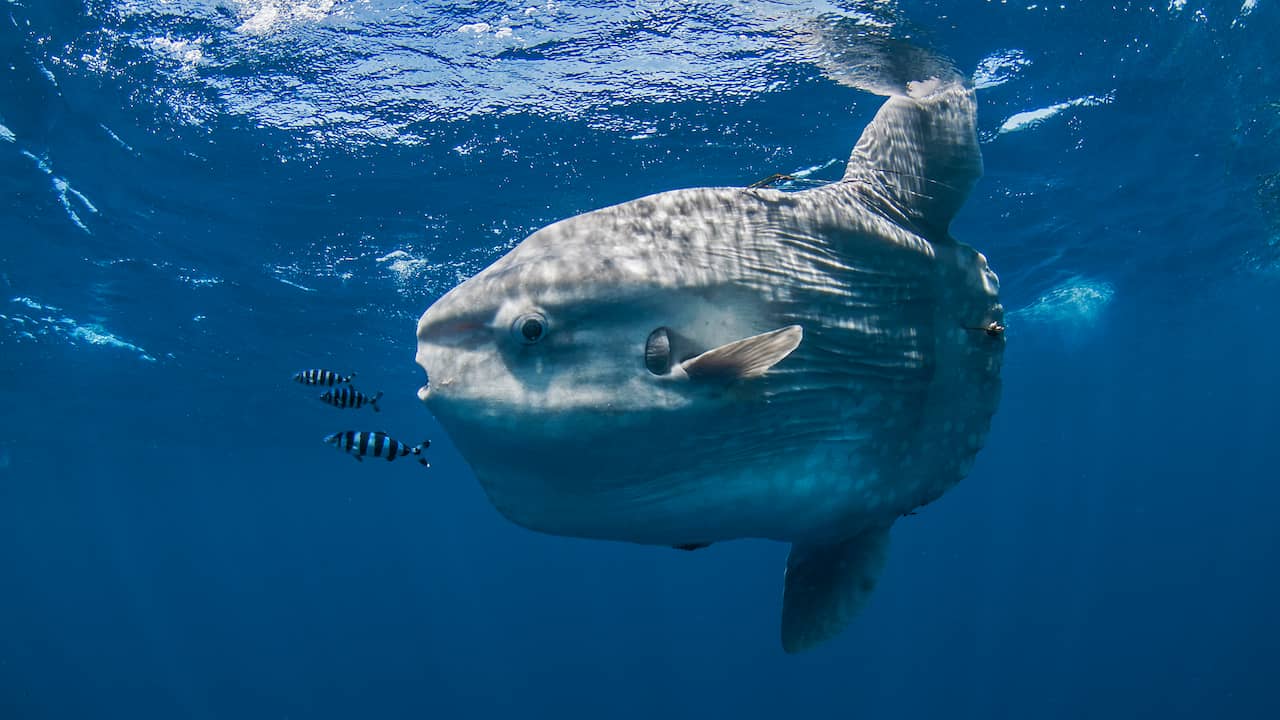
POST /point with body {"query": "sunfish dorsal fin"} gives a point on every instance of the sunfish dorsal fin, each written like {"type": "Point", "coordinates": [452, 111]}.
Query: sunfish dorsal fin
{"type": "Point", "coordinates": [826, 585]}
{"type": "Point", "coordinates": [921, 153]}
{"type": "Point", "coordinates": [746, 358]}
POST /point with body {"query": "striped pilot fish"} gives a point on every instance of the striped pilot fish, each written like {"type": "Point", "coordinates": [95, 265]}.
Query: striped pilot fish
{"type": "Point", "coordinates": [317, 376]}
{"type": "Point", "coordinates": [349, 397]}
{"type": "Point", "coordinates": [376, 444]}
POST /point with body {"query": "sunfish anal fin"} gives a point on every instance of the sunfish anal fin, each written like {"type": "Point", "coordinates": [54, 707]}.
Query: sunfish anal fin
{"type": "Point", "coordinates": [921, 155]}
{"type": "Point", "coordinates": [747, 358]}
{"type": "Point", "coordinates": [826, 585]}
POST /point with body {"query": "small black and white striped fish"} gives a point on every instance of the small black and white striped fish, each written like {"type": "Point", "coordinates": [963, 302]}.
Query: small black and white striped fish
{"type": "Point", "coordinates": [316, 376]}
{"type": "Point", "coordinates": [349, 397]}
{"type": "Point", "coordinates": [378, 444]}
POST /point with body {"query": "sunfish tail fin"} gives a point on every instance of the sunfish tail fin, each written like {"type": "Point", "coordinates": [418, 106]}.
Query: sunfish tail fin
{"type": "Point", "coordinates": [826, 585]}
{"type": "Point", "coordinates": [921, 153]}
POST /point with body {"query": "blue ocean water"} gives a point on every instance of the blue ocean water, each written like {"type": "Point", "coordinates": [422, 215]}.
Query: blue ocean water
{"type": "Point", "coordinates": [200, 197]}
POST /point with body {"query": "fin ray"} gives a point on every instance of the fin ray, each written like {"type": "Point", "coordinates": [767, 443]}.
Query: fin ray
{"type": "Point", "coordinates": [746, 358]}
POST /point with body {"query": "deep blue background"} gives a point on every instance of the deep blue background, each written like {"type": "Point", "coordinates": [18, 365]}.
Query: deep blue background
{"type": "Point", "coordinates": [175, 541]}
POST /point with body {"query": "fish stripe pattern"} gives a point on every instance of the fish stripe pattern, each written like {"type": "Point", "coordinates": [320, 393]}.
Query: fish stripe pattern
{"type": "Point", "coordinates": [349, 397]}
{"type": "Point", "coordinates": [378, 444]}
{"type": "Point", "coordinates": [319, 376]}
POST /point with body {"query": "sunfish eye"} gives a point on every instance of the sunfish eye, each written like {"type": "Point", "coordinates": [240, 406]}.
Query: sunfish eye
{"type": "Point", "coordinates": [529, 328]}
{"type": "Point", "coordinates": [657, 352]}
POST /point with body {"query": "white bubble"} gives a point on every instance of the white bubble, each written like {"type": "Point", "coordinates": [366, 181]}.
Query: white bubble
{"type": "Point", "coordinates": [1031, 118]}
{"type": "Point", "coordinates": [1075, 305]}
{"type": "Point", "coordinates": [999, 68]}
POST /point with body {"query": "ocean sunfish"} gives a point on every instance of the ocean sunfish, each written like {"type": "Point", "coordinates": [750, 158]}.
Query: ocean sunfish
{"type": "Point", "coordinates": [708, 364]}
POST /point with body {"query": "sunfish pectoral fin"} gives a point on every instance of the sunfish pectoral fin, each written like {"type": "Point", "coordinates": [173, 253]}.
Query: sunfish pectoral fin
{"type": "Point", "coordinates": [826, 585]}
{"type": "Point", "coordinates": [921, 153]}
{"type": "Point", "coordinates": [746, 358]}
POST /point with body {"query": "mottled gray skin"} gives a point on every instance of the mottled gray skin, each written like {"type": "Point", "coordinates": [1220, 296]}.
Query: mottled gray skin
{"type": "Point", "coordinates": [880, 409]}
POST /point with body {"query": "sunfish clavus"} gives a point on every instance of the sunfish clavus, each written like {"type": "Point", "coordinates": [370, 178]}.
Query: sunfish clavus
{"type": "Point", "coordinates": [716, 363]}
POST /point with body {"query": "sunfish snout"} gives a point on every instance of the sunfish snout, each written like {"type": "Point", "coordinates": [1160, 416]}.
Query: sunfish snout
{"type": "Point", "coordinates": [448, 350]}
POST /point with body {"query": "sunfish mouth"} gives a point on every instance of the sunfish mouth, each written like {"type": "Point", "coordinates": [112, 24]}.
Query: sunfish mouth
{"type": "Point", "coordinates": [431, 389]}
